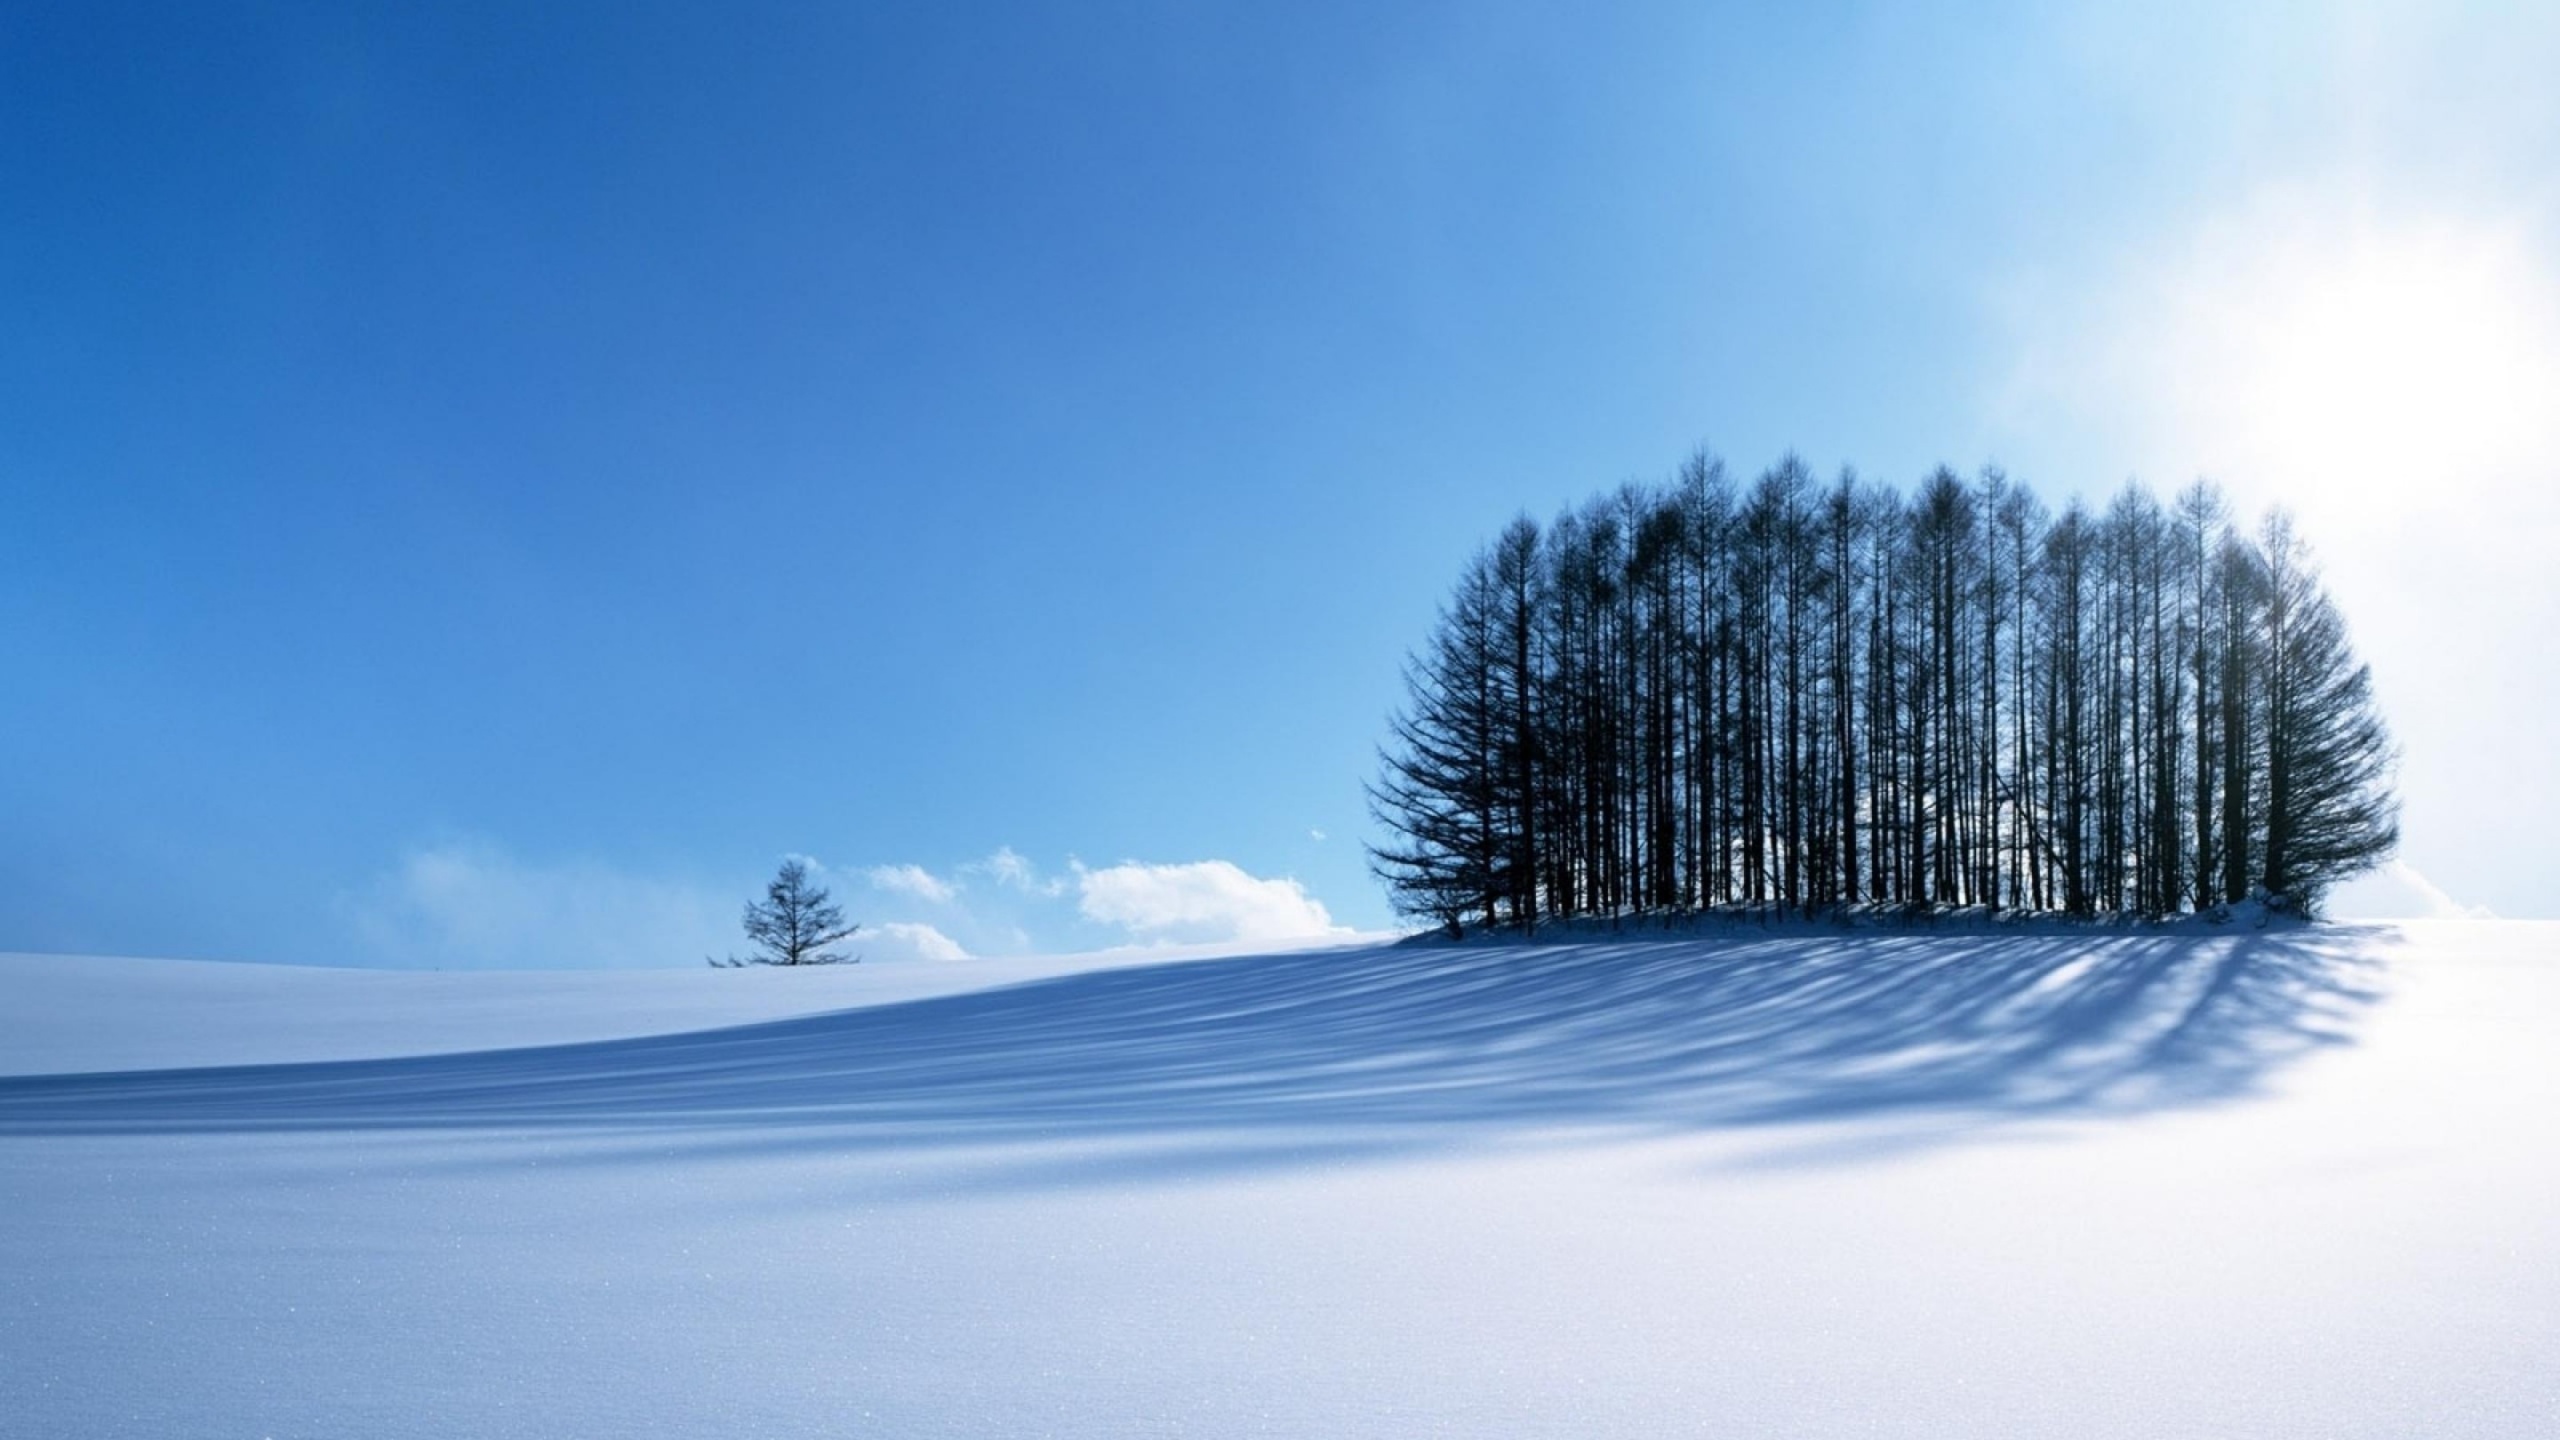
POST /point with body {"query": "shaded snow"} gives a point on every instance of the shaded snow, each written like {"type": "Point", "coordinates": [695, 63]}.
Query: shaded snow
{"type": "Point", "coordinates": [2264, 1183]}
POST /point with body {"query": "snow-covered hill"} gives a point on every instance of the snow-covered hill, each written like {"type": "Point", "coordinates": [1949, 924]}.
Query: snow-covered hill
{"type": "Point", "coordinates": [2278, 1182]}
{"type": "Point", "coordinates": [66, 1013]}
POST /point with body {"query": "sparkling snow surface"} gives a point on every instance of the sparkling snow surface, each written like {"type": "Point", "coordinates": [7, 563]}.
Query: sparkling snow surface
{"type": "Point", "coordinates": [2257, 1183]}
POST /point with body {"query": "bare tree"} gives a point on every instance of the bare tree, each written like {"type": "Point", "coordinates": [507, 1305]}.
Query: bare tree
{"type": "Point", "coordinates": [2329, 805]}
{"type": "Point", "coordinates": [1440, 780]}
{"type": "Point", "coordinates": [794, 923]}
{"type": "Point", "coordinates": [1705, 694]}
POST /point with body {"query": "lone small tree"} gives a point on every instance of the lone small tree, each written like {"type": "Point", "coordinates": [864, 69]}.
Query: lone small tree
{"type": "Point", "coordinates": [794, 922]}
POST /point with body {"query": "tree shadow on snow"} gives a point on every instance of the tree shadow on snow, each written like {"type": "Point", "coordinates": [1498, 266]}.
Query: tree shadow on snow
{"type": "Point", "coordinates": [1273, 1060]}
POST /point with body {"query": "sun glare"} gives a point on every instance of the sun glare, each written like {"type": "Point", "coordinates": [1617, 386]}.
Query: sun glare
{"type": "Point", "coordinates": [2365, 380]}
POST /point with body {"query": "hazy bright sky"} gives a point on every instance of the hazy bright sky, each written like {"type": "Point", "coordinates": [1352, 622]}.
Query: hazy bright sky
{"type": "Point", "coordinates": [477, 487]}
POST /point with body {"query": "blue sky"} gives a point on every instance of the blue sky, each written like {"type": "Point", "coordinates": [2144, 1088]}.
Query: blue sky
{"type": "Point", "coordinates": [480, 486]}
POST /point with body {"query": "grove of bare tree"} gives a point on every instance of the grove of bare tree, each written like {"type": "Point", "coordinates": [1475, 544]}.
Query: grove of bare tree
{"type": "Point", "coordinates": [1806, 695]}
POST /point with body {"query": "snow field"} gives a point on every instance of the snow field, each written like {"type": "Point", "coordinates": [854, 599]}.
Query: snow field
{"type": "Point", "coordinates": [2280, 1183]}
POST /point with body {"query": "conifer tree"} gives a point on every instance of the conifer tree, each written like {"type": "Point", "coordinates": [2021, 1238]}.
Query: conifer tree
{"type": "Point", "coordinates": [1808, 696]}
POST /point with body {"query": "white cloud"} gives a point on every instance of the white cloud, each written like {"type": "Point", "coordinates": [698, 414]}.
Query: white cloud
{"type": "Point", "coordinates": [472, 905]}
{"type": "Point", "coordinates": [1007, 867]}
{"type": "Point", "coordinates": [1316, 835]}
{"type": "Point", "coordinates": [1206, 900]}
{"type": "Point", "coordinates": [902, 939]}
{"type": "Point", "coordinates": [910, 880]}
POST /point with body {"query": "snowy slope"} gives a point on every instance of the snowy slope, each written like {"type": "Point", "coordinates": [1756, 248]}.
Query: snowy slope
{"type": "Point", "coordinates": [2255, 1183]}
{"type": "Point", "coordinates": [84, 1012]}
